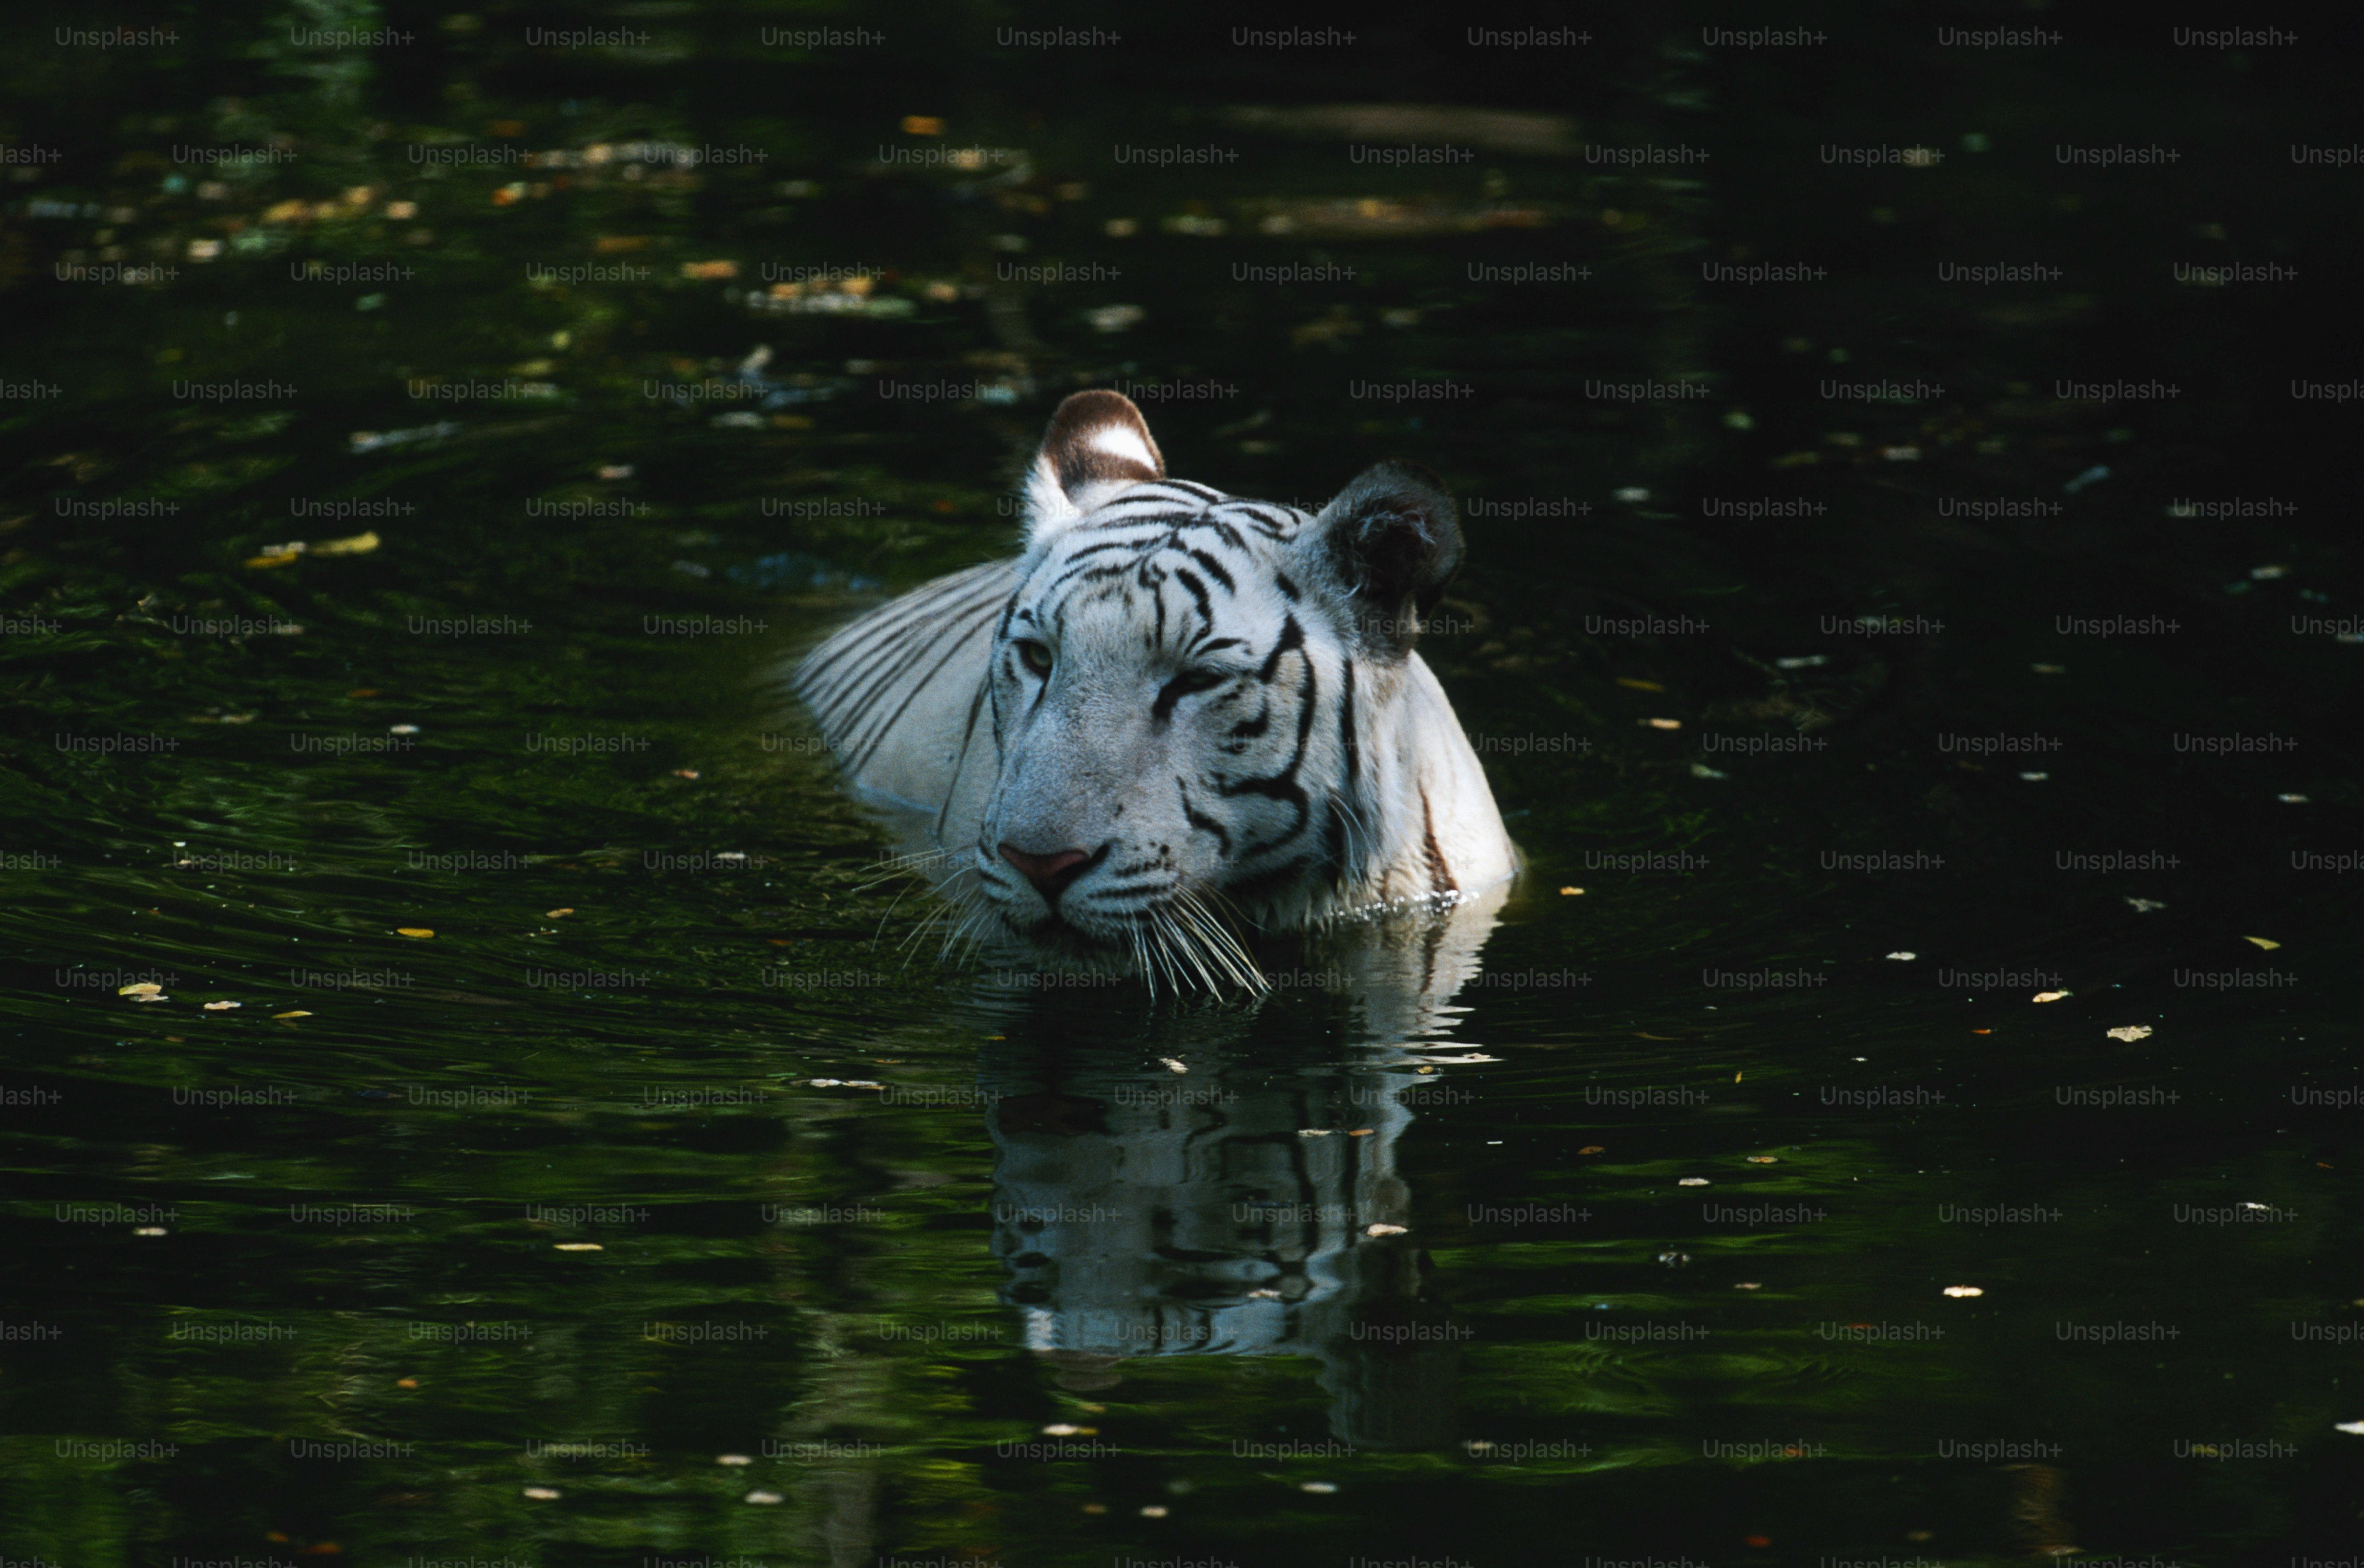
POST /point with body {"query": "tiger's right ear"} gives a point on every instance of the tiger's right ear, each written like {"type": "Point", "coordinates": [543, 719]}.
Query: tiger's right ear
{"type": "Point", "coordinates": [1097, 444]}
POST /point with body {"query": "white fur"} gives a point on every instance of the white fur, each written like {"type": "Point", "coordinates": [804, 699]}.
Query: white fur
{"type": "Point", "coordinates": [931, 705]}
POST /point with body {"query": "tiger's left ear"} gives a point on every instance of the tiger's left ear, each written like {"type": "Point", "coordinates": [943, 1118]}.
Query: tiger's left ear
{"type": "Point", "coordinates": [1097, 444]}
{"type": "Point", "coordinates": [1387, 546]}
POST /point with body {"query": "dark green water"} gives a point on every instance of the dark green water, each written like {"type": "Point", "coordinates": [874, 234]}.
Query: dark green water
{"type": "Point", "coordinates": [671, 1201]}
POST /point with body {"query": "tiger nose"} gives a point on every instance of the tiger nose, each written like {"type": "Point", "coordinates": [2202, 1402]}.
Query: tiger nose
{"type": "Point", "coordinates": [1050, 874]}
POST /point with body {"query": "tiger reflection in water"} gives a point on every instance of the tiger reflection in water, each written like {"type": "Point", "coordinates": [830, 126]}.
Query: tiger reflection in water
{"type": "Point", "coordinates": [1249, 1205]}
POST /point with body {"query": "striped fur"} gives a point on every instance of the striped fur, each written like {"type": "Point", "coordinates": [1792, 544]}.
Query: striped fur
{"type": "Point", "coordinates": [1204, 712]}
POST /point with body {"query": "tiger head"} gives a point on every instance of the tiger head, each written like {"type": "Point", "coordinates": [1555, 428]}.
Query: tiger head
{"type": "Point", "coordinates": [1183, 689]}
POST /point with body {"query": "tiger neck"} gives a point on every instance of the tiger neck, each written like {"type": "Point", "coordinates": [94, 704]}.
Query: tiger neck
{"type": "Point", "coordinates": [1435, 833]}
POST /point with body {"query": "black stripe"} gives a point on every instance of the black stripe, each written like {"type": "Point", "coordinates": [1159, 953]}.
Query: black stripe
{"type": "Point", "coordinates": [1214, 568]}
{"type": "Point", "coordinates": [1292, 636]}
{"type": "Point", "coordinates": [1347, 739]}
{"type": "Point", "coordinates": [1190, 579]}
{"type": "Point", "coordinates": [1200, 820]}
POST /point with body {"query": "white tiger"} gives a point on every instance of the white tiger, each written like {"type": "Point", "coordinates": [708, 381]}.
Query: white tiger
{"type": "Point", "coordinates": [1176, 711]}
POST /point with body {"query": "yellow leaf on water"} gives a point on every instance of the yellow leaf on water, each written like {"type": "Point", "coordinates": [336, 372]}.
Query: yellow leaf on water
{"type": "Point", "coordinates": [279, 557]}
{"type": "Point", "coordinates": [1965, 1290]}
{"type": "Point", "coordinates": [358, 544]}
{"type": "Point", "coordinates": [2051, 996]}
{"type": "Point", "coordinates": [1639, 686]}
{"type": "Point", "coordinates": [412, 931]}
{"type": "Point", "coordinates": [580, 1247]}
{"type": "Point", "coordinates": [299, 1013]}
{"type": "Point", "coordinates": [556, 914]}
{"type": "Point", "coordinates": [1571, 892]}
{"type": "Point", "coordinates": [1664, 723]}
{"type": "Point", "coordinates": [2131, 1032]}
{"type": "Point", "coordinates": [2263, 942]}
{"type": "Point", "coordinates": [145, 988]}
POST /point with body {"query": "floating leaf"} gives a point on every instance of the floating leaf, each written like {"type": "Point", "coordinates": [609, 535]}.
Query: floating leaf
{"type": "Point", "coordinates": [2264, 943]}
{"type": "Point", "coordinates": [1965, 1290]}
{"type": "Point", "coordinates": [580, 1247]}
{"type": "Point", "coordinates": [556, 914]}
{"type": "Point", "coordinates": [299, 1013]}
{"type": "Point", "coordinates": [222, 1006]}
{"type": "Point", "coordinates": [1383, 1230]}
{"type": "Point", "coordinates": [1571, 892]}
{"type": "Point", "coordinates": [358, 544]}
{"type": "Point", "coordinates": [2131, 1032]}
{"type": "Point", "coordinates": [144, 988]}
{"type": "Point", "coordinates": [1639, 686]}
{"type": "Point", "coordinates": [2051, 996]}
{"type": "Point", "coordinates": [1594, 1149]}
{"type": "Point", "coordinates": [1172, 1065]}
{"type": "Point", "coordinates": [1691, 1182]}
{"type": "Point", "coordinates": [412, 931]}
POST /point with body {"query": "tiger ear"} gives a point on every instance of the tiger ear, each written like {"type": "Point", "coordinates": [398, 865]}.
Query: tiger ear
{"type": "Point", "coordinates": [1387, 545]}
{"type": "Point", "coordinates": [1097, 444]}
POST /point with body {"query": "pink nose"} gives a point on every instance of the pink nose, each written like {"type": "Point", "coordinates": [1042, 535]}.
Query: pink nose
{"type": "Point", "coordinates": [1049, 874]}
